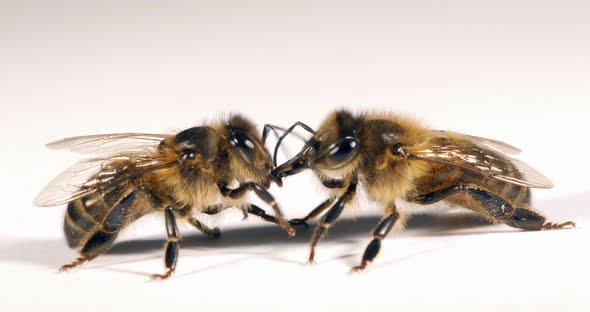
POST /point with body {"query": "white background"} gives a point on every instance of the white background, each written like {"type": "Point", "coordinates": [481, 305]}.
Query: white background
{"type": "Point", "coordinates": [517, 71]}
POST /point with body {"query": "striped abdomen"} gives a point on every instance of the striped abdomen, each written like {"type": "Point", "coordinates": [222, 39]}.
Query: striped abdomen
{"type": "Point", "coordinates": [516, 195]}
{"type": "Point", "coordinates": [99, 217]}
{"type": "Point", "coordinates": [443, 176]}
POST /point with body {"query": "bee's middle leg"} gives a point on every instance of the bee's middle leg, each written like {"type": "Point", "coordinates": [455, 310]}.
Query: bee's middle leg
{"type": "Point", "coordinates": [379, 233]}
{"type": "Point", "coordinates": [172, 247]}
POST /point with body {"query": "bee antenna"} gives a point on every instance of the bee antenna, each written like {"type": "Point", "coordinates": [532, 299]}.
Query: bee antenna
{"type": "Point", "coordinates": [289, 130]}
{"type": "Point", "coordinates": [269, 127]}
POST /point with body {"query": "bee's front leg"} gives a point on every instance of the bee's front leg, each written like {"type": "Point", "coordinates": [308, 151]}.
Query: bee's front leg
{"type": "Point", "coordinates": [264, 195]}
{"type": "Point", "coordinates": [330, 217]}
{"type": "Point", "coordinates": [331, 183]}
{"type": "Point", "coordinates": [314, 213]}
{"type": "Point", "coordinates": [211, 232]}
{"type": "Point", "coordinates": [259, 212]}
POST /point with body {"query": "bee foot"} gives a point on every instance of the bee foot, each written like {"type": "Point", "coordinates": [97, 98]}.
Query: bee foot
{"type": "Point", "coordinates": [359, 268]}
{"type": "Point", "coordinates": [160, 277]}
{"type": "Point", "coordinates": [77, 262]}
{"type": "Point", "coordinates": [214, 233]}
{"type": "Point", "coordinates": [290, 231]}
{"type": "Point", "coordinates": [285, 225]}
{"type": "Point", "coordinates": [555, 226]}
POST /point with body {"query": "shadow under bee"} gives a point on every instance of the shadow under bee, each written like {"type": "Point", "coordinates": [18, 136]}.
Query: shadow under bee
{"type": "Point", "coordinates": [51, 253]}
{"type": "Point", "coordinates": [261, 235]}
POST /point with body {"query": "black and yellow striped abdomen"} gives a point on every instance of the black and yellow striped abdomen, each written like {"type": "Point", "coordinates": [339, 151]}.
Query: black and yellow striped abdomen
{"type": "Point", "coordinates": [86, 215]}
{"type": "Point", "coordinates": [516, 195]}
{"type": "Point", "coordinates": [450, 182]}
{"type": "Point", "coordinates": [98, 218]}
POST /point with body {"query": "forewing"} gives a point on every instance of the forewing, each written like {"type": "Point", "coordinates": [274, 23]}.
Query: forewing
{"type": "Point", "coordinates": [499, 146]}
{"type": "Point", "coordinates": [481, 159]}
{"type": "Point", "coordinates": [102, 144]}
{"type": "Point", "coordinates": [89, 176]}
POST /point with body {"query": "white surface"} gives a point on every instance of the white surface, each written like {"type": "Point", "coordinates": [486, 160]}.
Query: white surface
{"type": "Point", "coordinates": [514, 71]}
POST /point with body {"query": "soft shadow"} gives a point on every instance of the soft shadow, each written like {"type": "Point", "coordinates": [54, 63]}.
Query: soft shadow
{"type": "Point", "coordinates": [53, 253]}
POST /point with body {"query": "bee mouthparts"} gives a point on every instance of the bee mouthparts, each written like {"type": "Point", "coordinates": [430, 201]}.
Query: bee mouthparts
{"type": "Point", "coordinates": [276, 179]}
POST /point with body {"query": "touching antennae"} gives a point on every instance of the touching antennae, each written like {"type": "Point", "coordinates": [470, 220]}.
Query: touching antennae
{"type": "Point", "coordinates": [289, 130]}
{"type": "Point", "coordinates": [269, 127]}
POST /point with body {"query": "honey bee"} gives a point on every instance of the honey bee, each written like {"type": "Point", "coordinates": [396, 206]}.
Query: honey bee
{"type": "Point", "coordinates": [178, 176]}
{"type": "Point", "coordinates": [396, 161]}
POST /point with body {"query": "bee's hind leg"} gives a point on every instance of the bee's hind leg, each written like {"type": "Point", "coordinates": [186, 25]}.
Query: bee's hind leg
{"type": "Point", "coordinates": [172, 247]}
{"type": "Point", "coordinates": [496, 208]}
{"type": "Point", "coordinates": [521, 218]}
{"type": "Point", "coordinates": [530, 220]}
{"type": "Point", "coordinates": [99, 243]}
{"type": "Point", "coordinates": [96, 245]}
{"type": "Point", "coordinates": [556, 226]}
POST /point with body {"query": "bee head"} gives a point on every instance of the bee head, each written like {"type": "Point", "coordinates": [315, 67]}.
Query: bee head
{"type": "Point", "coordinates": [248, 157]}
{"type": "Point", "coordinates": [334, 147]}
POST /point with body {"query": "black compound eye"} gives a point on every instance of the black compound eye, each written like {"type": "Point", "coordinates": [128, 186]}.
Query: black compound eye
{"type": "Point", "coordinates": [244, 144]}
{"type": "Point", "coordinates": [343, 150]}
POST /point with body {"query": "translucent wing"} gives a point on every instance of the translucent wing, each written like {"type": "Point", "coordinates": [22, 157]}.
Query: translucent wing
{"type": "Point", "coordinates": [89, 176]}
{"type": "Point", "coordinates": [496, 145]}
{"type": "Point", "coordinates": [482, 156]}
{"type": "Point", "coordinates": [102, 144]}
